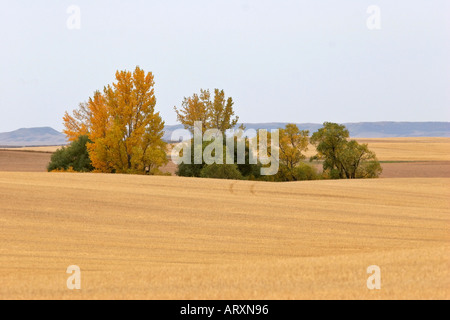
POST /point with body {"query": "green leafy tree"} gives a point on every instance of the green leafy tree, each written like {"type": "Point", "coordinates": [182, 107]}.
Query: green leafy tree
{"type": "Point", "coordinates": [330, 141]}
{"type": "Point", "coordinates": [344, 159]}
{"type": "Point", "coordinates": [359, 162]}
{"type": "Point", "coordinates": [246, 170]}
{"type": "Point", "coordinates": [192, 169]}
{"type": "Point", "coordinates": [74, 156]}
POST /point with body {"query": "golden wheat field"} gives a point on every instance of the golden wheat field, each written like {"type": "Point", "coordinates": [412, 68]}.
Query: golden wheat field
{"type": "Point", "coordinates": [409, 149]}
{"type": "Point", "coordinates": [49, 149]}
{"type": "Point", "coordinates": [405, 149]}
{"type": "Point", "coordinates": [186, 238]}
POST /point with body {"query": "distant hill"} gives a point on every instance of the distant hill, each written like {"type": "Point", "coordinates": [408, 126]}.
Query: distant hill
{"type": "Point", "coordinates": [30, 137]}
{"type": "Point", "coordinates": [47, 136]}
{"type": "Point", "coordinates": [360, 129]}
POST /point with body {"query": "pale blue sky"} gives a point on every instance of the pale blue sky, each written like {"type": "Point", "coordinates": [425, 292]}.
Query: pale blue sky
{"type": "Point", "coordinates": [281, 61]}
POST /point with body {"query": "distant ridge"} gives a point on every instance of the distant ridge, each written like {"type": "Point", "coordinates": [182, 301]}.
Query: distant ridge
{"type": "Point", "coordinates": [47, 136]}
{"type": "Point", "coordinates": [384, 129]}
{"type": "Point", "coordinates": [32, 137]}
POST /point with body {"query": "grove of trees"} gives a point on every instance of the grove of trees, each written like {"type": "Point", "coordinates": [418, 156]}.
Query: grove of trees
{"type": "Point", "coordinates": [118, 130]}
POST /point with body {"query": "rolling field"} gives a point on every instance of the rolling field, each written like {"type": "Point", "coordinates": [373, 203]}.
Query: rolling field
{"type": "Point", "coordinates": [409, 149]}
{"type": "Point", "coordinates": [405, 149]}
{"type": "Point", "coordinates": [49, 149]}
{"type": "Point", "coordinates": [174, 238]}
{"type": "Point", "coordinates": [23, 161]}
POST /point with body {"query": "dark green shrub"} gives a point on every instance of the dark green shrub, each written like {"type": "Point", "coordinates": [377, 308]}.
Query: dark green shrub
{"type": "Point", "coordinates": [191, 169]}
{"type": "Point", "coordinates": [246, 171]}
{"type": "Point", "coordinates": [74, 156]}
{"type": "Point", "coordinates": [302, 171]}
{"type": "Point", "coordinates": [221, 171]}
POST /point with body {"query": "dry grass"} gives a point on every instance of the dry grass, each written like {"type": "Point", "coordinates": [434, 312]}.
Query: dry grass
{"type": "Point", "coordinates": [24, 161]}
{"type": "Point", "coordinates": [410, 149]}
{"type": "Point", "coordinates": [429, 169]}
{"type": "Point", "coordinates": [175, 238]}
{"type": "Point", "coordinates": [50, 149]}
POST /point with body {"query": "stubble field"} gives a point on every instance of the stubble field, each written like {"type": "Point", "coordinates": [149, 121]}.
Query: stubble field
{"type": "Point", "coordinates": [182, 238]}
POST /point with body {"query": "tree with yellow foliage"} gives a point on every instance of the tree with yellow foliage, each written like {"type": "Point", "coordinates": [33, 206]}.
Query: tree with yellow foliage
{"type": "Point", "coordinates": [214, 114]}
{"type": "Point", "coordinates": [221, 112]}
{"type": "Point", "coordinates": [121, 122]}
{"type": "Point", "coordinates": [78, 124]}
{"type": "Point", "coordinates": [195, 108]}
{"type": "Point", "coordinates": [293, 142]}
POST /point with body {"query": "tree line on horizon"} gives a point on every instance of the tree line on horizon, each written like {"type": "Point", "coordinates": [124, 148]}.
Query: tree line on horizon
{"type": "Point", "coordinates": [118, 130]}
